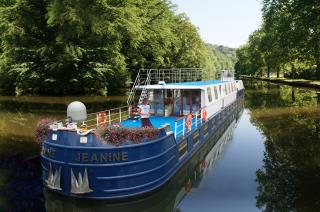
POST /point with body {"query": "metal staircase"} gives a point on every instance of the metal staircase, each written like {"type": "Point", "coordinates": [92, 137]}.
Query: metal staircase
{"type": "Point", "coordinates": [143, 79]}
{"type": "Point", "coordinates": [144, 92]}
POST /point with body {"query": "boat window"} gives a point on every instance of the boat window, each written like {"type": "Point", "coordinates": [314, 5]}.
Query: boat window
{"type": "Point", "coordinates": [196, 100]}
{"type": "Point", "coordinates": [168, 102]}
{"type": "Point", "coordinates": [183, 148]}
{"type": "Point", "coordinates": [209, 94]}
{"type": "Point", "coordinates": [157, 104]}
{"type": "Point", "coordinates": [225, 89]}
{"type": "Point", "coordinates": [151, 100]}
{"type": "Point", "coordinates": [186, 102]}
{"type": "Point", "coordinates": [177, 106]}
{"type": "Point", "coordinates": [196, 137]}
{"type": "Point", "coordinates": [215, 92]}
{"type": "Point", "coordinates": [220, 89]}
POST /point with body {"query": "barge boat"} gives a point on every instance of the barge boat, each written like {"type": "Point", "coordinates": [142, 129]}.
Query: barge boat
{"type": "Point", "coordinates": [108, 155]}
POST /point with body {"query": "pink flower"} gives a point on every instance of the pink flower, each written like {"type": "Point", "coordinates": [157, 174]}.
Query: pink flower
{"type": "Point", "coordinates": [42, 130]}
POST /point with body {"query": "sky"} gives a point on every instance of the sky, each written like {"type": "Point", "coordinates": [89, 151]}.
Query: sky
{"type": "Point", "coordinates": [223, 22]}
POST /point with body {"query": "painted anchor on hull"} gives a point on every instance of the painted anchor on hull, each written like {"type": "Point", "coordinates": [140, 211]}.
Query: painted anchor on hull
{"type": "Point", "coordinates": [80, 185]}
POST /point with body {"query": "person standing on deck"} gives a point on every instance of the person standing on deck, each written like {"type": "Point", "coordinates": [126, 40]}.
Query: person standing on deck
{"type": "Point", "coordinates": [144, 113]}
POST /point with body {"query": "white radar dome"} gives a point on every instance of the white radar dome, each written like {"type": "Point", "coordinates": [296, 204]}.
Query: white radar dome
{"type": "Point", "coordinates": [77, 111]}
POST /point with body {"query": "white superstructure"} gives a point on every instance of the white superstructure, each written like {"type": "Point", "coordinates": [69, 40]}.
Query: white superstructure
{"type": "Point", "coordinates": [188, 97]}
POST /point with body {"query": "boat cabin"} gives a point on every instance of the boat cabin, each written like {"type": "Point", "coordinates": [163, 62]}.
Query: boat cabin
{"type": "Point", "coordinates": [180, 99]}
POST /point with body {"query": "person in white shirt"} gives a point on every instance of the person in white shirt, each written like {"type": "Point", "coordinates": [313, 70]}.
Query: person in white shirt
{"type": "Point", "coordinates": [144, 113]}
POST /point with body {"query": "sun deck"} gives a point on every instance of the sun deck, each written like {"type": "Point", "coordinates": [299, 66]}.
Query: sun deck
{"type": "Point", "coordinates": [157, 121]}
{"type": "Point", "coordinates": [177, 124]}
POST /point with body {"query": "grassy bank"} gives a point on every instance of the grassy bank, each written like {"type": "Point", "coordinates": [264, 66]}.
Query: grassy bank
{"type": "Point", "coordinates": [294, 82]}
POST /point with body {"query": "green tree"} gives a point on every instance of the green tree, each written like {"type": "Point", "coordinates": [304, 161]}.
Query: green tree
{"type": "Point", "coordinates": [22, 36]}
{"type": "Point", "coordinates": [288, 39]}
{"type": "Point", "coordinates": [296, 25]}
{"type": "Point", "coordinates": [60, 47]}
{"type": "Point", "coordinates": [63, 47]}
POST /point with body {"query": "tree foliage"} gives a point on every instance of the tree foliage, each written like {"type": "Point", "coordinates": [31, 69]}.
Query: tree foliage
{"type": "Point", "coordinates": [222, 58]}
{"type": "Point", "coordinates": [288, 40]}
{"type": "Point", "coordinates": [62, 47]}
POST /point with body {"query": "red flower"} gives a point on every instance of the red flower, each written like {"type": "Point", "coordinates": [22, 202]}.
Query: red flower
{"type": "Point", "coordinates": [42, 130]}
{"type": "Point", "coordinates": [117, 135]}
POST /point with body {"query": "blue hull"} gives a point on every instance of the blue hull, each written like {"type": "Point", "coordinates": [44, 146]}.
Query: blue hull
{"type": "Point", "coordinates": [108, 172]}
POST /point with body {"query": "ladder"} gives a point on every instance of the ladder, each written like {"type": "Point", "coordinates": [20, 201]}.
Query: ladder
{"type": "Point", "coordinates": [144, 92]}
{"type": "Point", "coordinates": [143, 79]}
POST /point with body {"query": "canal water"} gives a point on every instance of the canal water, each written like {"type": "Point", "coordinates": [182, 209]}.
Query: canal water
{"type": "Point", "coordinates": [266, 159]}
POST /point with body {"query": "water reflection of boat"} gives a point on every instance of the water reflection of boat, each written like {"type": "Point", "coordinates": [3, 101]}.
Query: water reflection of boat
{"type": "Point", "coordinates": [20, 184]}
{"type": "Point", "coordinates": [209, 160]}
{"type": "Point", "coordinates": [218, 148]}
{"type": "Point", "coordinates": [185, 113]}
{"type": "Point", "coordinates": [167, 197]}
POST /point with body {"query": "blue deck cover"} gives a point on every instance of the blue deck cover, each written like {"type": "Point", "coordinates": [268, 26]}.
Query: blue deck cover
{"type": "Point", "coordinates": [158, 121]}
{"type": "Point", "coordinates": [198, 83]}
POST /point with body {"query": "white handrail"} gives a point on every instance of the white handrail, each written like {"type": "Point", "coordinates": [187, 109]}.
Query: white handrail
{"type": "Point", "coordinates": [117, 108]}
{"type": "Point", "coordinates": [196, 118]}
{"type": "Point", "coordinates": [133, 89]}
{"type": "Point", "coordinates": [183, 126]}
{"type": "Point", "coordinates": [175, 130]}
{"type": "Point", "coordinates": [193, 124]}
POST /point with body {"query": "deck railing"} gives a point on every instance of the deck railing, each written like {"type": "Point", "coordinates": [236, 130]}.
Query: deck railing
{"type": "Point", "coordinates": [94, 120]}
{"type": "Point", "coordinates": [180, 128]}
{"type": "Point", "coordinates": [173, 75]}
{"type": "Point", "coordinates": [116, 115]}
{"type": "Point", "coordinates": [107, 117]}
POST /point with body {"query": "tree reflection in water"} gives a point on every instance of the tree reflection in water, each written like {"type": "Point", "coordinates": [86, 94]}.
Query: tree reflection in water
{"type": "Point", "coordinates": [290, 177]}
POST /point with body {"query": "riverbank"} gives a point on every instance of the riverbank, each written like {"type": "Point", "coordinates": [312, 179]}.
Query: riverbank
{"type": "Point", "coordinates": [315, 84]}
